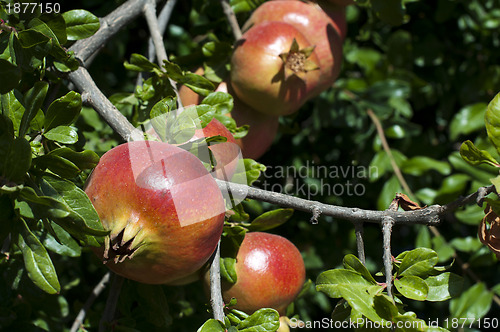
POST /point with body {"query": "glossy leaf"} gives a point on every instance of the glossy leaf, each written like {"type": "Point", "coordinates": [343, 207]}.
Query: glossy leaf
{"type": "Point", "coordinates": [361, 301]}
{"type": "Point", "coordinates": [421, 164]}
{"type": "Point", "coordinates": [443, 286]}
{"type": "Point", "coordinates": [471, 154]}
{"type": "Point", "coordinates": [353, 263]}
{"type": "Point", "coordinates": [63, 111]}
{"type": "Point", "coordinates": [139, 62]}
{"type": "Point", "coordinates": [263, 320]}
{"type": "Point", "coordinates": [412, 287]}
{"type": "Point", "coordinates": [212, 325]}
{"type": "Point", "coordinates": [62, 244]}
{"type": "Point", "coordinates": [80, 24]}
{"type": "Point", "coordinates": [62, 134]}
{"type": "Point", "coordinates": [474, 303]}
{"type": "Point", "coordinates": [331, 281]}
{"type": "Point", "coordinates": [271, 219]}
{"type": "Point", "coordinates": [11, 75]}
{"type": "Point", "coordinates": [223, 102]}
{"type": "Point", "coordinates": [418, 262]}
{"type": "Point", "coordinates": [17, 160]}
{"type": "Point", "coordinates": [37, 261]}
{"type": "Point", "coordinates": [492, 121]}
{"type": "Point", "coordinates": [33, 100]}
{"type": "Point", "coordinates": [45, 206]}
{"type": "Point", "coordinates": [227, 269]}
{"type": "Point", "coordinates": [469, 119]}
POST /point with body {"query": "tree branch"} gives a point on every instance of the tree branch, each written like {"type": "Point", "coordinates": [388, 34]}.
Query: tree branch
{"type": "Point", "coordinates": [163, 19]}
{"type": "Point", "coordinates": [154, 29]}
{"type": "Point", "coordinates": [93, 96]}
{"type": "Point", "coordinates": [360, 243]}
{"type": "Point", "coordinates": [231, 17]}
{"type": "Point", "coordinates": [110, 25]}
{"type": "Point", "coordinates": [95, 293]}
{"type": "Point", "coordinates": [216, 300]}
{"type": "Point", "coordinates": [114, 295]}
{"type": "Point", "coordinates": [387, 224]}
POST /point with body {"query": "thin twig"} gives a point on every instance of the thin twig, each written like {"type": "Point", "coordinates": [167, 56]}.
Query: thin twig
{"type": "Point", "coordinates": [360, 243]}
{"type": "Point", "coordinates": [110, 309]}
{"type": "Point", "coordinates": [387, 224]}
{"type": "Point", "coordinates": [216, 300]}
{"type": "Point", "coordinates": [387, 149]}
{"type": "Point", "coordinates": [231, 17]}
{"type": "Point", "coordinates": [163, 19]}
{"type": "Point", "coordinates": [154, 30]}
{"type": "Point", "coordinates": [93, 295]}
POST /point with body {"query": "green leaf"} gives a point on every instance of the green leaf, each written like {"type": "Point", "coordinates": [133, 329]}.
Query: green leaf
{"type": "Point", "coordinates": [251, 174]}
{"type": "Point", "coordinates": [37, 261]}
{"type": "Point", "coordinates": [412, 287]}
{"type": "Point", "coordinates": [361, 300]}
{"type": "Point", "coordinates": [80, 24]}
{"type": "Point", "coordinates": [58, 165]}
{"type": "Point", "coordinates": [227, 269]}
{"type": "Point", "coordinates": [330, 282]}
{"type": "Point", "coordinates": [352, 262]}
{"type": "Point", "coordinates": [44, 206]}
{"type": "Point", "coordinates": [63, 111]}
{"type": "Point", "coordinates": [223, 102]}
{"type": "Point", "coordinates": [466, 244]}
{"type": "Point", "coordinates": [83, 221]}
{"type": "Point", "coordinates": [271, 219]}
{"type": "Point", "coordinates": [33, 100]}
{"type": "Point", "coordinates": [63, 244]}
{"type": "Point", "coordinates": [418, 262]}
{"type": "Point", "coordinates": [419, 165]}
{"type": "Point", "coordinates": [263, 320]}
{"type": "Point", "coordinates": [474, 303]}
{"type": "Point", "coordinates": [13, 109]}
{"type": "Point", "coordinates": [83, 160]}
{"type": "Point", "coordinates": [492, 121]}
{"type": "Point", "coordinates": [212, 325]}
{"type": "Point", "coordinates": [469, 119]}
{"type": "Point", "coordinates": [197, 83]}
{"type": "Point", "coordinates": [62, 134]}
{"type": "Point", "coordinates": [139, 62]}
{"type": "Point", "coordinates": [242, 6]}
{"type": "Point", "coordinates": [471, 154]}
{"type": "Point", "coordinates": [17, 160]}
{"type": "Point", "coordinates": [11, 75]}
{"type": "Point", "coordinates": [443, 286]}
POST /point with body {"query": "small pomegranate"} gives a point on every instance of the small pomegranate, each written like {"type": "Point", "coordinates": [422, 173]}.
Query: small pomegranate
{"type": "Point", "coordinates": [270, 273]}
{"type": "Point", "coordinates": [163, 209]}
{"type": "Point", "coordinates": [274, 68]}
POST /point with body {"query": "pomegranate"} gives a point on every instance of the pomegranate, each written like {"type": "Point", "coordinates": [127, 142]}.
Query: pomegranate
{"type": "Point", "coordinates": [165, 213]}
{"type": "Point", "coordinates": [274, 68]}
{"type": "Point", "coordinates": [321, 30]}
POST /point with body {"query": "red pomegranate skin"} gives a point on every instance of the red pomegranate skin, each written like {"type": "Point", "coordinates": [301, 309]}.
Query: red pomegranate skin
{"type": "Point", "coordinates": [226, 154]}
{"type": "Point", "coordinates": [258, 74]}
{"type": "Point", "coordinates": [319, 28]}
{"type": "Point", "coordinates": [270, 273]}
{"type": "Point", "coordinates": [163, 201]}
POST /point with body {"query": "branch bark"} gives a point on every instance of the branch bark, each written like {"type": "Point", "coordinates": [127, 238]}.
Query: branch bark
{"type": "Point", "coordinates": [110, 25]}
{"type": "Point", "coordinates": [231, 17]}
{"type": "Point", "coordinates": [216, 300]}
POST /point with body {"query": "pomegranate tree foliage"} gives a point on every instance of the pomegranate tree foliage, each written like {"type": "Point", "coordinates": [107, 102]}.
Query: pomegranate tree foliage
{"type": "Point", "coordinates": [426, 69]}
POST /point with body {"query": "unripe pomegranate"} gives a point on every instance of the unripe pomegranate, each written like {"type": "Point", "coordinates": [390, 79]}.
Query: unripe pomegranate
{"type": "Point", "coordinates": [270, 273]}
{"type": "Point", "coordinates": [320, 29]}
{"type": "Point", "coordinates": [163, 209]}
{"type": "Point", "coordinates": [274, 68]}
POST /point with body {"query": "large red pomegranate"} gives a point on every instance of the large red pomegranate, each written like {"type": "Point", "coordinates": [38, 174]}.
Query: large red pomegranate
{"type": "Point", "coordinates": [164, 211]}
{"type": "Point", "coordinates": [274, 68]}
{"type": "Point", "coordinates": [319, 28]}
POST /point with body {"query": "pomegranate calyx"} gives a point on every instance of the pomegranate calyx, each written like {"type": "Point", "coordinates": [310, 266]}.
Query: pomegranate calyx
{"type": "Point", "coordinates": [296, 60]}
{"type": "Point", "coordinates": [117, 249]}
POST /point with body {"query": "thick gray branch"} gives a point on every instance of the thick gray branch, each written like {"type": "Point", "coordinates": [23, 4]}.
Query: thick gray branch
{"type": "Point", "coordinates": [93, 96]}
{"type": "Point", "coordinates": [387, 224]}
{"type": "Point", "coordinates": [110, 25]}
{"type": "Point", "coordinates": [216, 300]}
{"type": "Point", "coordinates": [428, 216]}
{"type": "Point", "coordinates": [163, 19]}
